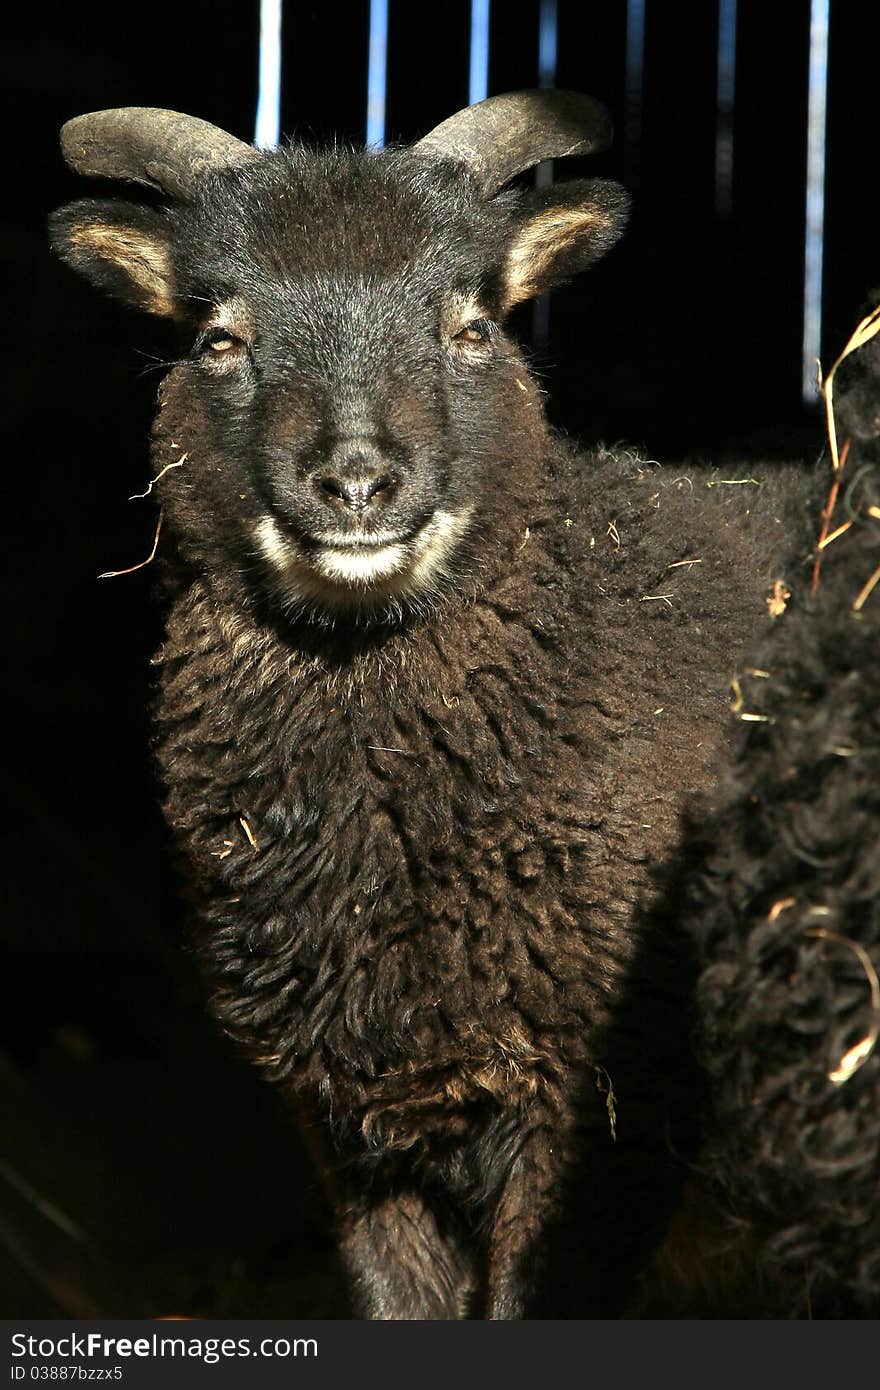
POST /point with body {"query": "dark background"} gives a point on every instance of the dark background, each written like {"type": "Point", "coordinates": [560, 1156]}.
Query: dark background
{"type": "Point", "coordinates": [145, 1170]}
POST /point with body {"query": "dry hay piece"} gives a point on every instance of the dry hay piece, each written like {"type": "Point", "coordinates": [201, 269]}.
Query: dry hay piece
{"type": "Point", "coordinates": [114, 574]}
{"type": "Point", "coordinates": [863, 333]}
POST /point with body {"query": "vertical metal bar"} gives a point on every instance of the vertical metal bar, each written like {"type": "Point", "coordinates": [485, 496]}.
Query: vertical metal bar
{"type": "Point", "coordinates": [547, 57]}
{"type": "Point", "coordinates": [547, 43]}
{"type": "Point", "coordinates": [815, 208]}
{"type": "Point", "coordinates": [377, 73]}
{"type": "Point", "coordinates": [547, 51]}
{"type": "Point", "coordinates": [267, 131]}
{"type": "Point", "coordinates": [478, 83]}
{"type": "Point", "coordinates": [633, 79]}
{"type": "Point", "coordinates": [725, 99]}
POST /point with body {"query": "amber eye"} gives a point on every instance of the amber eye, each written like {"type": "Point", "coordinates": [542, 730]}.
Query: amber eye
{"type": "Point", "coordinates": [219, 344]}
{"type": "Point", "coordinates": [477, 331]}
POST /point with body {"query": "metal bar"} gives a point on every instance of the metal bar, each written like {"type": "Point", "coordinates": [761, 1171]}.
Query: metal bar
{"type": "Point", "coordinates": [267, 132]}
{"type": "Point", "coordinates": [377, 73]}
{"type": "Point", "coordinates": [815, 206]}
{"type": "Point", "coordinates": [633, 78]}
{"type": "Point", "coordinates": [548, 42]}
{"type": "Point", "coordinates": [548, 31]}
{"type": "Point", "coordinates": [478, 82]}
{"type": "Point", "coordinates": [725, 100]}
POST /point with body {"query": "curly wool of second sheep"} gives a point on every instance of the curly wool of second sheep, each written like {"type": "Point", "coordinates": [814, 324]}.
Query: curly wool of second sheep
{"type": "Point", "coordinates": [786, 918]}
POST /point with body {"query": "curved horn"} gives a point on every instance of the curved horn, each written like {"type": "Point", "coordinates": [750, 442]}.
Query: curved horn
{"type": "Point", "coordinates": [503, 135]}
{"type": "Point", "coordinates": [164, 150]}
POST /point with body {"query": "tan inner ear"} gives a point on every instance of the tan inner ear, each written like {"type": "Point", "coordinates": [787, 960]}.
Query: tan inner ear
{"type": "Point", "coordinates": [540, 242]}
{"type": "Point", "coordinates": [145, 262]}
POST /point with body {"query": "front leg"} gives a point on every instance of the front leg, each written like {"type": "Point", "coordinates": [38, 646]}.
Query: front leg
{"type": "Point", "coordinates": [576, 1209]}
{"type": "Point", "coordinates": [525, 1205]}
{"type": "Point", "coordinates": [542, 1247]}
{"type": "Point", "coordinates": [402, 1262]}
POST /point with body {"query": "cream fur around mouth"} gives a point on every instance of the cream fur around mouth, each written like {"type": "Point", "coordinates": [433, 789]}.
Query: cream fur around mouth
{"type": "Point", "coordinates": [355, 564]}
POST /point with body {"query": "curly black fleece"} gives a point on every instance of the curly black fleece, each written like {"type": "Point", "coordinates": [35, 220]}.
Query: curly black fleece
{"type": "Point", "coordinates": [787, 919]}
{"type": "Point", "coordinates": [424, 865]}
{"type": "Point", "coordinates": [424, 837]}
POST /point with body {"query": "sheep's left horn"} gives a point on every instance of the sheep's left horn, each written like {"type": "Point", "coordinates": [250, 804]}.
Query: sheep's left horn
{"type": "Point", "coordinates": [503, 135]}
{"type": "Point", "coordinates": [164, 150]}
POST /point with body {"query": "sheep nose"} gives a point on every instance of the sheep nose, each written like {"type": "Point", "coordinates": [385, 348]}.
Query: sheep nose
{"type": "Point", "coordinates": [357, 480]}
{"type": "Point", "coordinates": [359, 493]}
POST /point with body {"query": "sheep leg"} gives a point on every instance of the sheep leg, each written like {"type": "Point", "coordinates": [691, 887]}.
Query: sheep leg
{"type": "Point", "coordinates": [401, 1264]}
{"type": "Point", "coordinates": [518, 1225]}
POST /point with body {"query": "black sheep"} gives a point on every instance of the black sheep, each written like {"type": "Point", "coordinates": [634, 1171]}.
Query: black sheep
{"type": "Point", "coordinates": [786, 915]}
{"type": "Point", "coordinates": [435, 688]}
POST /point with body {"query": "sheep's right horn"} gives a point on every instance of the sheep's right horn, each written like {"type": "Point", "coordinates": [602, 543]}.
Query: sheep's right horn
{"type": "Point", "coordinates": [504, 135]}
{"type": "Point", "coordinates": [164, 150]}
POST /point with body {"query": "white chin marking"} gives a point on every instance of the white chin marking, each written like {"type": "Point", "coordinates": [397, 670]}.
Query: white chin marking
{"type": "Point", "coordinates": [352, 566]}
{"type": "Point", "coordinates": [339, 575]}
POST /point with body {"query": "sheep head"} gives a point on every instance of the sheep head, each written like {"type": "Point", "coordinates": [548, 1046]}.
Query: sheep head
{"type": "Point", "coordinates": [350, 405]}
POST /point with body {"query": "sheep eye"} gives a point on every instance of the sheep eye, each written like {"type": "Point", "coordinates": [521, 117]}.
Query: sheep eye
{"type": "Point", "coordinates": [477, 331]}
{"type": "Point", "coordinates": [219, 343]}
{"type": "Point", "coordinates": [221, 348]}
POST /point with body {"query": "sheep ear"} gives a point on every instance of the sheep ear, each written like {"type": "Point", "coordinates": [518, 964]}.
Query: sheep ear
{"type": "Point", "coordinates": [123, 248]}
{"type": "Point", "coordinates": [561, 230]}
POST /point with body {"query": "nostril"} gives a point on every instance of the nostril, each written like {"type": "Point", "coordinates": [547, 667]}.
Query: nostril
{"type": "Point", "coordinates": [377, 485]}
{"type": "Point", "coordinates": [333, 487]}
{"type": "Point", "coordinates": [356, 494]}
